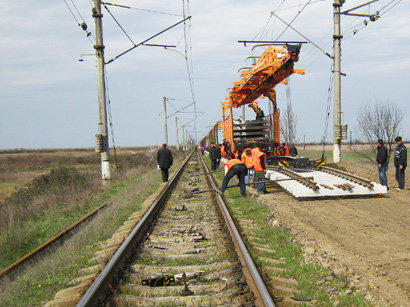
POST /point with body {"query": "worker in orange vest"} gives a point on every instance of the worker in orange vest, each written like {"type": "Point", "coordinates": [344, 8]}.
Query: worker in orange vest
{"type": "Point", "coordinates": [238, 169]}
{"type": "Point", "coordinates": [247, 159]}
{"type": "Point", "coordinates": [259, 164]}
{"type": "Point", "coordinates": [283, 150]}
{"type": "Point", "coordinates": [223, 152]}
{"type": "Point", "coordinates": [276, 149]}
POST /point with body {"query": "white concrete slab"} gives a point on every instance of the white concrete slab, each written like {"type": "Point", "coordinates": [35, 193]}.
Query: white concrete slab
{"type": "Point", "coordinates": [299, 190]}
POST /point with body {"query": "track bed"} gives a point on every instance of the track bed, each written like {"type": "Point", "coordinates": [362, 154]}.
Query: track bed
{"type": "Point", "coordinates": [187, 258]}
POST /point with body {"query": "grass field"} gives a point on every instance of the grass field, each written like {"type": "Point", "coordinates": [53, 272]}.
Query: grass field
{"type": "Point", "coordinates": [65, 186]}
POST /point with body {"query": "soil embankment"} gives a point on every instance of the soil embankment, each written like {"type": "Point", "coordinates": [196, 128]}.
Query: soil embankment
{"type": "Point", "coordinates": [366, 239]}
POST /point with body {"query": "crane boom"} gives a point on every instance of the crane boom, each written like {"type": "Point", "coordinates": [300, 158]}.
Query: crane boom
{"type": "Point", "coordinates": [273, 67]}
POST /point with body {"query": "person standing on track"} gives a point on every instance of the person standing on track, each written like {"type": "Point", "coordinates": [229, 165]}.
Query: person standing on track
{"type": "Point", "coordinates": [382, 162]}
{"type": "Point", "coordinates": [259, 164]}
{"type": "Point", "coordinates": [400, 162]}
{"type": "Point", "coordinates": [165, 161]}
{"type": "Point", "coordinates": [235, 168]}
{"type": "Point", "coordinates": [215, 156]}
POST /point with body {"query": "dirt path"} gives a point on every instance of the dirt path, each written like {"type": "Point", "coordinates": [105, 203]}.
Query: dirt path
{"type": "Point", "coordinates": [366, 239]}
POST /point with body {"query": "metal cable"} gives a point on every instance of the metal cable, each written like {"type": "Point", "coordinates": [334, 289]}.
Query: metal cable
{"type": "Point", "coordinates": [72, 14]}
{"type": "Point", "coordinates": [78, 12]}
{"type": "Point", "coordinates": [328, 108]}
{"type": "Point", "coordinates": [110, 117]}
{"type": "Point", "coordinates": [118, 24]}
{"type": "Point", "coordinates": [294, 18]}
{"type": "Point", "coordinates": [76, 20]}
{"type": "Point", "coordinates": [189, 72]}
{"type": "Point", "coordinates": [140, 9]}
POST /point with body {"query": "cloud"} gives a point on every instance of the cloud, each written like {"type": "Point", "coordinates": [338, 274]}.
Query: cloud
{"type": "Point", "coordinates": [45, 88]}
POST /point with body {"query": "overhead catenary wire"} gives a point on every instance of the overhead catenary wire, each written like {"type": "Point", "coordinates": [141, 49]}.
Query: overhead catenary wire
{"type": "Point", "coordinates": [363, 24]}
{"type": "Point", "coordinates": [141, 9]}
{"type": "Point", "coordinates": [294, 18]}
{"type": "Point", "coordinates": [77, 20]}
{"type": "Point", "coordinates": [77, 10]}
{"type": "Point", "coordinates": [304, 36]}
{"type": "Point", "coordinates": [119, 25]}
{"type": "Point", "coordinates": [187, 64]}
{"type": "Point", "coordinates": [146, 40]}
{"type": "Point", "coordinates": [110, 117]}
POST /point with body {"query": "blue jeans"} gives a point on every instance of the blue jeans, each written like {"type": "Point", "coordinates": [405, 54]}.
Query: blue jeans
{"type": "Point", "coordinates": [260, 178]}
{"type": "Point", "coordinates": [382, 175]}
{"type": "Point", "coordinates": [239, 171]}
{"type": "Point", "coordinates": [248, 176]}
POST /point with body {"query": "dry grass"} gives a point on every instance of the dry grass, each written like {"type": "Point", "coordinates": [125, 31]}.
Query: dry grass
{"type": "Point", "coordinates": [41, 280]}
{"type": "Point", "coordinates": [51, 202]}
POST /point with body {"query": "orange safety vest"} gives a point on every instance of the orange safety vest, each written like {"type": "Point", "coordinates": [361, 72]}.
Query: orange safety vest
{"type": "Point", "coordinates": [223, 153]}
{"type": "Point", "coordinates": [233, 162]}
{"type": "Point", "coordinates": [236, 153]}
{"type": "Point", "coordinates": [286, 151]}
{"type": "Point", "coordinates": [257, 160]}
{"type": "Point", "coordinates": [247, 158]}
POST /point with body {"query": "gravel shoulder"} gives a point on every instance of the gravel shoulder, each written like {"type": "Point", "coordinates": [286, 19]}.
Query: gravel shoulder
{"type": "Point", "coordinates": [365, 239]}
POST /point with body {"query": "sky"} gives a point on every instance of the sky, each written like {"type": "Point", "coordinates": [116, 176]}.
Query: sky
{"type": "Point", "coordinates": [48, 99]}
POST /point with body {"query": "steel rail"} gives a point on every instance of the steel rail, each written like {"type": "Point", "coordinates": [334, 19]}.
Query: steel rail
{"type": "Point", "coordinates": [303, 180]}
{"type": "Point", "coordinates": [36, 252]}
{"type": "Point", "coordinates": [95, 295]}
{"type": "Point", "coordinates": [251, 273]}
{"type": "Point", "coordinates": [357, 179]}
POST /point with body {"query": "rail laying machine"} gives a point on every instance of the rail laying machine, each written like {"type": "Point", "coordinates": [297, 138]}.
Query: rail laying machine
{"type": "Point", "coordinates": [274, 66]}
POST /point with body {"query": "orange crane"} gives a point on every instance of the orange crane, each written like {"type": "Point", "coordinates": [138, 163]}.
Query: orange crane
{"type": "Point", "coordinates": [273, 67]}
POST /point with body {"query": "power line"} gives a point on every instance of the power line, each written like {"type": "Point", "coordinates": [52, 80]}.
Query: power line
{"type": "Point", "coordinates": [110, 117]}
{"type": "Point", "coordinates": [83, 26]}
{"type": "Point", "coordinates": [72, 14]}
{"type": "Point", "coordinates": [294, 18]}
{"type": "Point", "coordinates": [118, 24]}
{"type": "Point", "coordinates": [78, 12]}
{"type": "Point", "coordinates": [141, 9]}
{"type": "Point", "coordinates": [291, 7]}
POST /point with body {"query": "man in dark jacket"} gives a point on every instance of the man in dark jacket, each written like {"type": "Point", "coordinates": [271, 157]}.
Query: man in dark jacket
{"type": "Point", "coordinates": [214, 155]}
{"type": "Point", "coordinates": [164, 159]}
{"type": "Point", "coordinates": [382, 162]}
{"type": "Point", "coordinates": [293, 152]}
{"type": "Point", "coordinates": [400, 162]}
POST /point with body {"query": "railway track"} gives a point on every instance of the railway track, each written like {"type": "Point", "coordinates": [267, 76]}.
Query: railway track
{"type": "Point", "coordinates": [58, 239]}
{"type": "Point", "coordinates": [185, 250]}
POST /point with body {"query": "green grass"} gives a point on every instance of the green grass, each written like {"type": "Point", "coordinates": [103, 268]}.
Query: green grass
{"type": "Point", "coordinates": [315, 282]}
{"type": "Point", "coordinates": [54, 219]}
{"type": "Point", "coordinates": [53, 273]}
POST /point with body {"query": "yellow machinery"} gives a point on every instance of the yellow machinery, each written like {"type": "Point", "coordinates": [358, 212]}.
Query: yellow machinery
{"type": "Point", "coordinates": [273, 67]}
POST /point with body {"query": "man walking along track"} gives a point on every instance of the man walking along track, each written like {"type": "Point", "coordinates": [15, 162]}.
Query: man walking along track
{"type": "Point", "coordinates": [165, 161]}
{"type": "Point", "coordinates": [400, 162]}
{"type": "Point", "coordinates": [215, 156]}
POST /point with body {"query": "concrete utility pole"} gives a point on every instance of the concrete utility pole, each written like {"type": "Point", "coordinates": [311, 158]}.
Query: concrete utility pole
{"type": "Point", "coordinates": [99, 50]}
{"type": "Point", "coordinates": [176, 129]}
{"type": "Point", "coordinates": [165, 121]}
{"type": "Point", "coordinates": [243, 112]}
{"type": "Point", "coordinates": [337, 109]}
